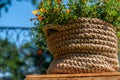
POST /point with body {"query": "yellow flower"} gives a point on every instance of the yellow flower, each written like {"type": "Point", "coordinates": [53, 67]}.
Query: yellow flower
{"type": "Point", "coordinates": [40, 18]}
{"type": "Point", "coordinates": [84, 1]}
{"type": "Point", "coordinates": [67, 11]}
{"type": "Point", "coordinates": [35, 12]}
{"type": "Point", "coordinates": [42, 10]}
{"type": "Point", "coordinates": [57, 10]}
{"type": "Point", "coordinates": [59, 1]}
{"type": "Point", "coordinates": [49, 2]}
{"type": "Point", "coordinates": [106, 0]}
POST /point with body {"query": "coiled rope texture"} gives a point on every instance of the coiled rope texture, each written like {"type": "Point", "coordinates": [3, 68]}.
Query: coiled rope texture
{"type": "Point", "coordinates": [84, 46]}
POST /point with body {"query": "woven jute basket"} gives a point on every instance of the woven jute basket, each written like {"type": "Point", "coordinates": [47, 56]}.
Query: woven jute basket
{"type": "Point", "coordinates": [86, 45]}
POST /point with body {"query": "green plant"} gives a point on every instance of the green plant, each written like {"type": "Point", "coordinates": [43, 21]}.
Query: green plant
{"type": "Point", "coordinates": [59, 12]}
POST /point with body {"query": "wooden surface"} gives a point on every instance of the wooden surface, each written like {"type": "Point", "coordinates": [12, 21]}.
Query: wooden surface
{"type": "Point", "coordinates": [88, 76]}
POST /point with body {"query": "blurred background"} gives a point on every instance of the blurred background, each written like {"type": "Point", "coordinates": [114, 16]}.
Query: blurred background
{"type": "Point", "coordinates": [19, 55]}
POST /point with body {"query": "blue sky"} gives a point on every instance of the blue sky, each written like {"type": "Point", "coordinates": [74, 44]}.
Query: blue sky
{"type": "Point", "coordinates": [18, 15]}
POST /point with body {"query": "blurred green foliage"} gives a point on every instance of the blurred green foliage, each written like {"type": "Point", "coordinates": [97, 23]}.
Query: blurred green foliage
{"type": "Point", "coordinates": [16, 63]}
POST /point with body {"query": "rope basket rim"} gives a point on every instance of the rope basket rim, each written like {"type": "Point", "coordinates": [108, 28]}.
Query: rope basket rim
{"type": "Point", "coordinates": [78, 20]}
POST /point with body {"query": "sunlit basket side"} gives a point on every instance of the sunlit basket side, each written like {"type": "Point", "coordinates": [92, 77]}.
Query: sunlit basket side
{"type": "Point", "coordinates": [84, 46]}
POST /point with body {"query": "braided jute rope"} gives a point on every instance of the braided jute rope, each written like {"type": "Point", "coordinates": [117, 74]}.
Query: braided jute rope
{"type": "Point", "coordinates": [85, 45]}
{"type": "Point", "coordinates": [83, 63]}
